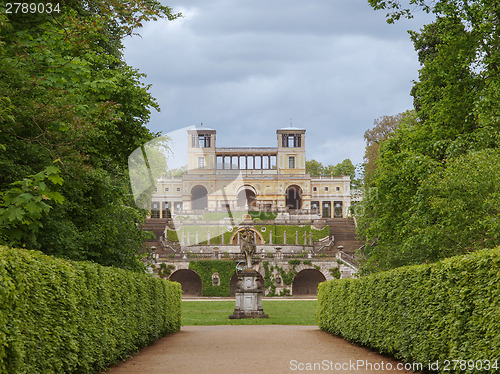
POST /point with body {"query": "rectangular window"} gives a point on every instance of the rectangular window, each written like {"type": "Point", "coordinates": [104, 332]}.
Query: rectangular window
{"type": "Point", "coordinates": [243, 164]}
{"type": "Point", "coordinates": [204, 140]}
{"type": "Point", "coordinates": [167, 189]}
{"type": "Point", "coordinates": [200, 141]}
{"type": "Point", "coordinates": [291, 140]}
{"type": "Point", "coordinates": [326, 209]}
{"type": "Point", "coordinates": [258, 162]}
{"type": "Point", "coordinates": [234, 162]}
{"type": "Point", "coordinates": [291, 162]}
{"type": "Point", "coordinates": [265, 162]}
{"type": "Point", "coordinates": [273, 162]}
{"type": "Point", "coordinates": [220, 165]}
{"type": "Point", "coordinates": [166, 213]}
{"type": "Point", "coordinates": [201, 162]}
{"type": "Point", "coordinates": [337, 213]}
{"type": "Point", "coordinates": [155, 210]}
{"type": "Point", "coordinates": [326, 188]}
{"type": "Point", "coordinates": [178, 189]}
{"type": "Point", "coordinates": [315, 189]}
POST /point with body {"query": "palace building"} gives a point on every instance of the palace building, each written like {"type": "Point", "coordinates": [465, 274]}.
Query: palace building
{"type": "Point", "coordinates": [270, 179]}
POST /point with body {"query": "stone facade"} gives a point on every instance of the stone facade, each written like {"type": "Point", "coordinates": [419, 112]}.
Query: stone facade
{"type": "Point", "coordinates": [307, 274]}
{"type": "Point", "coordinates": [251, 178]}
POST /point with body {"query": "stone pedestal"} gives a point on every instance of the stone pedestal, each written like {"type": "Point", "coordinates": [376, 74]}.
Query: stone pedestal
{"type": "Point", "coordinates": [249, 291]}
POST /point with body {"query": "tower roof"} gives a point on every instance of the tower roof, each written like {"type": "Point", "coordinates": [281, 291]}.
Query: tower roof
{"type": "Point", "coordinates": [291, 128]}
{"type": "Point", "coordinates": [199, 128]}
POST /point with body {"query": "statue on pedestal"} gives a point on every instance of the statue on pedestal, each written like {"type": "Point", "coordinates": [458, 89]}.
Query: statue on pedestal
{"type": "Point", "coordinates": [247, 245]}
{"type": "Point", "coordinates": [249, 288]}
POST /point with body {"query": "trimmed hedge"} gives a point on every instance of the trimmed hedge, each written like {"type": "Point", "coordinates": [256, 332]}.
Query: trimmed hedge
{"type": "Point", "coordinates": [60, 316]}
{"type": "Point", "coordinates": [206, 268]}
{"type": "Point", "coordinates": [449, 310]}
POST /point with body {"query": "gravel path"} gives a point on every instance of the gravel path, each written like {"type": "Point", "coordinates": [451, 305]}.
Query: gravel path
{"type": "Point", "coordinates": [254, 349]}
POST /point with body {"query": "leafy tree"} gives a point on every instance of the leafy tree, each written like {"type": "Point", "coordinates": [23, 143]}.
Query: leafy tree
{"type": "Point", "coordinates": [23, 206]}
{"type": "Point", "coordinates": [343, 168]}
{"type": "Point", "coordinates": [314, 168]}
{"type": "Point", "coordinates": [433, 193]}
{"type": "Point", "coordinates": [383, 129]}
{"type": "Point", "coordinates": [452, 211]}
{"type": "Point", "coordinates": [67, 94]}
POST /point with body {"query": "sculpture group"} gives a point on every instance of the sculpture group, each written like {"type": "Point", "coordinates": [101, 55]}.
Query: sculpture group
{"type": "Point", "coordinates": [249, 289]}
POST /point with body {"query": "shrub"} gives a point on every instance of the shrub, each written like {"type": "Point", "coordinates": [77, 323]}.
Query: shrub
{"type": "Point", "coordinates": [335, 272]}
{"type": "Point", "coordinates": [61, 316]}
{"type": "Point", "coordinates": [449, 310]}
{"type": "Point", "coordinates": [172, 236]}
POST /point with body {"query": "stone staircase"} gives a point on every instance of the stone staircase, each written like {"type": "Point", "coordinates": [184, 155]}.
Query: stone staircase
{"type": "Point", "coordinates": [344, 233]}
{"type": "Point", "coordinates": [157, 242]}
{"type": "Point", "coordinates": [156, 225]}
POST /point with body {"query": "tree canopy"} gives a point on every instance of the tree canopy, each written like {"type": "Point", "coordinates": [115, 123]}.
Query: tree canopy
{"type": "Point", "coordinates": [66, 94]}
{"type": "Point", "coordinates": [316, 169]}
{"type": "Point", "coordinates": [383, 129]}
{"type": "Point", "coordinates": [433, 191]}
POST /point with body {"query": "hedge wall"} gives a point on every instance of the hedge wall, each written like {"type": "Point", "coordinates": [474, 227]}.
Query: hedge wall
{"type": "Point", "coordinates": [449, 310]}
{"type": "Point", "coordinates": [206, 268]}
{"type": "Point", "coordinates": [58, 316]}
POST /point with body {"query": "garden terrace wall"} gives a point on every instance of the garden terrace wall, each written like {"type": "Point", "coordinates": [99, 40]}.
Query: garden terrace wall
{"type": "Point", "coordinates": [58, 316]}
{"type": "Point", "coordinates": [205, 269]}
{"type": "Point", "coordinates": [216, 231]}
{"type": "Point", "coordinates": [448, 310]}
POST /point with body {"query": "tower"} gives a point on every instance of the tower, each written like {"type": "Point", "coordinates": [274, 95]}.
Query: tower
{"type": "Point", "coordinates": [291, 151]}
{"type": "Point", "coordinates": [201, 150]}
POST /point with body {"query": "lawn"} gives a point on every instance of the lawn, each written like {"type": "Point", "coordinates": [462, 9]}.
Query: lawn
{"type": "Point", "coordinates": [281, 312]}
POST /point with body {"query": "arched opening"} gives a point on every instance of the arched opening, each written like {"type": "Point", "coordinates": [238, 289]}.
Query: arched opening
{"type": "Point", "coordinates": [190, 281]}
{"type": "Point", "coordinates": [199, 199]}
{"type": "Point", "coordinates": [294, 197]}
{"type": "Point", "coordinates": [234, 281]}
{"type": "Point", "coordinates": [306, 282]}
{"type": "Point", "coordinates": [246, 197]}
{"type": "Point", "coordinates": [259, 239]}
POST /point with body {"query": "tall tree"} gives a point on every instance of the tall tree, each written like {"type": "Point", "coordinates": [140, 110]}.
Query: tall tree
{"type": "Point", "coordinates": [314, 168]}
{"type": "Point", "coordinates": [430, 195]}
{"type": "Point", "coordinates": [384, 127]}
{"type": "Point", "coordinates": [67, 94]}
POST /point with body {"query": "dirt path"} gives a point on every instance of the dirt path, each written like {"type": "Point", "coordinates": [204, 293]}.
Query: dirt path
{"type": "Point", "coordinates": [254, 349]}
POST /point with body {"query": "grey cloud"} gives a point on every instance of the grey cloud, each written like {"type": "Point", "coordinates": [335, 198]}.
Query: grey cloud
{"type": "Point", "coordinates": [246, 67]}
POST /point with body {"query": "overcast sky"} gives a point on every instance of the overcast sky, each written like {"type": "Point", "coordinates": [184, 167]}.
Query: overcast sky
{"type": "Point", "coordinates": [247, 68]}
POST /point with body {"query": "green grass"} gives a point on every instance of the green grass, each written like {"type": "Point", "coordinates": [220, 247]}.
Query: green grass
{"type": "Point", "coordinates": [281, 312]}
